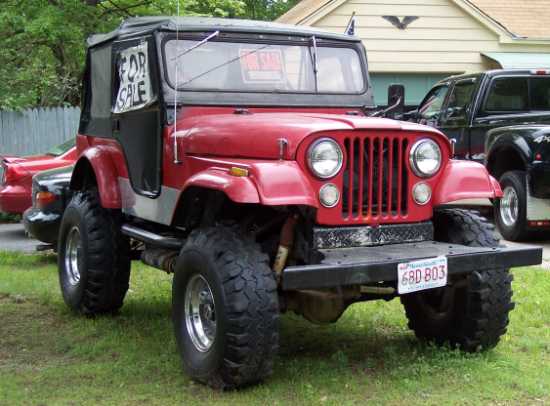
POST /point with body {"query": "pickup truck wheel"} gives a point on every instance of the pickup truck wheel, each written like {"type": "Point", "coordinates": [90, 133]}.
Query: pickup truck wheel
{"type": "Point", "coordinates": [225, 309]}
{"type": "Point", "coordinates": [93, 260]}
{"type": "Point", "coordinates": [511, 209]}
{"type": "Point", "coordinates": [472, 312]}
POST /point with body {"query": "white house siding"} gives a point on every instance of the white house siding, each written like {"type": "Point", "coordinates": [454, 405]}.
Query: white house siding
{"type": "Point", "coordinates": [445, 40]}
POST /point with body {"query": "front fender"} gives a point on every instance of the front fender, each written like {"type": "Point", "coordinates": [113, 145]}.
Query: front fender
{"type": "Point", "coordinates": [283, 183]}
{"type": "Point", "coordinates": [98, 159]}
{"type": "Point", "coordinates": [271, 183]}
{"type": "Point", "coordinates": [238, 189]}
{"type": "Point", "coordinates": [465, 180]}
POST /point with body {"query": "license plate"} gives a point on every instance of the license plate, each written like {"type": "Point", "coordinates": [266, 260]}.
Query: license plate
{"type": "Point", "coordinates": [421, 275]}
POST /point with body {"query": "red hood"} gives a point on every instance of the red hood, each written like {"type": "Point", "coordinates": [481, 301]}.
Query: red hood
{"type": "Point", "coordinates": [256, 135]}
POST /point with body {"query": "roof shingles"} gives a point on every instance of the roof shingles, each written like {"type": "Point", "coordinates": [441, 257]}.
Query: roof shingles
{"type": "Point", "coordinates": [524, 18]}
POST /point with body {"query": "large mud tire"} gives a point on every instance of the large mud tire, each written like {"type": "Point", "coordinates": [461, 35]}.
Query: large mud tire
{"type": "Point", "coordinates": [93, 259]}
{"type": "Point", "coordinates": [236, 340]}
{"type": "Point", "coordinates": [472, 313]}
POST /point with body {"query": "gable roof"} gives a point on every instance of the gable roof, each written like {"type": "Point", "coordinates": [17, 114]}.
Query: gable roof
{"type": "Point", "coordinates": [515, 19]}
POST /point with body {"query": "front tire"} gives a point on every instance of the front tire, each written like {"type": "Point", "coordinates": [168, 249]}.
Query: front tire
{"type": "Point", "coordinates": [511, 209]}
{"type": "Point", "coordinates": [472, 312]}
{"type": "Point", "coordinates": [225, 309]}
{"type": "Point", "coordinates": [93, 259]}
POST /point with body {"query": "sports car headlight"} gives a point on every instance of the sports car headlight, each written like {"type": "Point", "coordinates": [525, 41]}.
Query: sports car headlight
{"type": "Point", "coordinates": [425, 158]}
{"type": "Point", "coordinates": [325, 158]}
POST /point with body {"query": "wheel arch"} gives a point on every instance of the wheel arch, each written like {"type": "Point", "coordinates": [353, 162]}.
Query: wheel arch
{"type": "Point", "coordinates": [507, 150]}
{"type": "Point", "coordinates": [96, 169]}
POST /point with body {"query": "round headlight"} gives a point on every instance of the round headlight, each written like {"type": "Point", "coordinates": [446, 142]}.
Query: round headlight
{"type": "Point", "coordinates": [329, 195]}
{"type": "Point", "coordinates": [325, 158]}
{"type": "Point", "coordinates": [425, 158]}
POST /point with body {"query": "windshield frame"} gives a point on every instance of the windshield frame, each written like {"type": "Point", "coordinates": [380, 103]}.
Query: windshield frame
{"type": "Point", "coordinates": [245, 38]}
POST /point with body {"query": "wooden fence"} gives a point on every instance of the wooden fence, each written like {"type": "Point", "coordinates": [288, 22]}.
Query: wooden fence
{"type": "Point", "coordinates": [35, 131]}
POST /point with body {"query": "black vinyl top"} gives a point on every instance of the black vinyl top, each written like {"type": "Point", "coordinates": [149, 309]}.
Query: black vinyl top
{"type": "Point", "coordinates": [146, 25]}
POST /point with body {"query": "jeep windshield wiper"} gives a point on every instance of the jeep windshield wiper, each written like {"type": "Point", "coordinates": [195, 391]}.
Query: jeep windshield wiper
{"type": "Point", "coordinates": [313, 51]}
{"type": "Point", "coordinates": [198, 44]}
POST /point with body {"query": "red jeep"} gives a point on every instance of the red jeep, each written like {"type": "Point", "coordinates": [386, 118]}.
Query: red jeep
{"type": "Point", "coordinates": [239, 155]}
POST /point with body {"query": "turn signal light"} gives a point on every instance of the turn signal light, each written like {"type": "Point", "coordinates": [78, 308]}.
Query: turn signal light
{"type": "Point", "coordinates": [44, 198]}
{"type": "Point", "coordinates": [236, 171]}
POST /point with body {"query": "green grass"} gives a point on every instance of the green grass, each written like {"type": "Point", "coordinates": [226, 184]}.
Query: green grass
{"type": "Point", "coordinates": [49, 356]}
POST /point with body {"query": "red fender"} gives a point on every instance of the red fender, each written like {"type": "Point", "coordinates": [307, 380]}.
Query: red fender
{"type": "Point", "coordinates": [238, 189]}
{"type": "Point", "coordinates": [99, 158]}
{"type": "Point", "coordinates": [277, 183]}
{"type": "Point", "coordinates": [465, 180]}
{"type": "Point", "coordinates": [283, 183]}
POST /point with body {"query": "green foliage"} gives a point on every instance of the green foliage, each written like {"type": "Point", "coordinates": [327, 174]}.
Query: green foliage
{"type": "Point", "coordinates": [42, 41]}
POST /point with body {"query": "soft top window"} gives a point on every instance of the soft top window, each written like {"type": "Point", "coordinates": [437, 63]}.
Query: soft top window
{"type": "Point", "coordinates": [262, 67]}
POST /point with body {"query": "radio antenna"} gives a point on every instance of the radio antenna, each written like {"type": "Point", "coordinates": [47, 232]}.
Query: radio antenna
{"type": "Point", "coordinates": [176, 153]}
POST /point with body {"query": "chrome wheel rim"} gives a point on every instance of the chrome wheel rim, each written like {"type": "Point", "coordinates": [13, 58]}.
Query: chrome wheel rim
{"type": "Point", "coordinates": [73, 249]}
{"type": "Point", "coordinates": [509, 206]}
{"type": "Point", "coordinates": [200, 313]}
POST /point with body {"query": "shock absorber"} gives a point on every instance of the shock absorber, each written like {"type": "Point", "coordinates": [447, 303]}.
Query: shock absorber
{"type": "Point", "coordinates": [285, 245]}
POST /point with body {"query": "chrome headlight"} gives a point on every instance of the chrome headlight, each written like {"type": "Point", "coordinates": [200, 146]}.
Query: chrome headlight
{"type": "Point", "coordinates": [425, 158]}
{"type": "Point", "coordinates": [325, 158]}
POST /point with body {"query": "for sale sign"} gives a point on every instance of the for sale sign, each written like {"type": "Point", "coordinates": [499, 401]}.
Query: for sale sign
{"type": "Point", "coordinates": [135, 89]}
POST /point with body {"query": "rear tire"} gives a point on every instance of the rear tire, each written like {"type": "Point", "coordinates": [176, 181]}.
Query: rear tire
{"type": "Point", "coordinates": [472, 313]}
{"type": "Point", "coordinates": [511, 209]}
{"type": "Point", "coordinates": [225, 309]}
{"type": "Point", "coordinates": [93, 259]}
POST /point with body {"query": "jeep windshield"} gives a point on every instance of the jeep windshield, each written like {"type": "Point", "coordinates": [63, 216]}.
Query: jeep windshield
{"type": "Point", "coordinates": [262, 67]}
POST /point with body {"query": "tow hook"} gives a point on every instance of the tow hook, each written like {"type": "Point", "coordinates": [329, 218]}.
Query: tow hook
{"type": "Point", "coordinates": [285, 244]}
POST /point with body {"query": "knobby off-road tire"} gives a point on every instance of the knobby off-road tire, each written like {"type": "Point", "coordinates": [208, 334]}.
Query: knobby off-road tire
{"type": "Point", "coordinates": [473, 313]}
{"type": "Point", "coordinates": [240, 310]}
{"type": "Point", "coordinates": [93, 259]}
{"type": "Point", "coordinates": [511, 209]}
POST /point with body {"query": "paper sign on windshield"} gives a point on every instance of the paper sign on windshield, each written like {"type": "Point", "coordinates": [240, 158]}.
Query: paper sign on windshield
{"type": "Point", "coordinates": [135, 89]}
{"type": "Point", "coordinates": [262, 66]}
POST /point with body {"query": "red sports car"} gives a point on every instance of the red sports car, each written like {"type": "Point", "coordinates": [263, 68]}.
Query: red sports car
{"type": "Point", "coordinates": [16, 175]}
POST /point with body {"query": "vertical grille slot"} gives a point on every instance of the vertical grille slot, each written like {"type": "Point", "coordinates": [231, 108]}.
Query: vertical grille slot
{"type": "Point", "coordinates": [375, 178]}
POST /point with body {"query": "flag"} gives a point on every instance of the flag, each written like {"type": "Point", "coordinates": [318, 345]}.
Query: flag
{"type": "Point", "coordinates": [350, 29]}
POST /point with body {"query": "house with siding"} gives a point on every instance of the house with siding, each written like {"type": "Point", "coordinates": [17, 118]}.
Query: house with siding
{"type": "Point", "coordinates": [418, 42]}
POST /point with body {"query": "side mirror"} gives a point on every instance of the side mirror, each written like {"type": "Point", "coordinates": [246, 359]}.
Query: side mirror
{"type": "Point", "coordinates": [396, 98]}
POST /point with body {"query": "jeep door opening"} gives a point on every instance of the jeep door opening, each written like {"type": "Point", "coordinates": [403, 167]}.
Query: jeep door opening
{"type": "Point", "coordinates": [238, 156]}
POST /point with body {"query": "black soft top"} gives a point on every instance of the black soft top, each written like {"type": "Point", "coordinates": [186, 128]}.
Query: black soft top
{"type": "Point", "coordinates": [146, 25]}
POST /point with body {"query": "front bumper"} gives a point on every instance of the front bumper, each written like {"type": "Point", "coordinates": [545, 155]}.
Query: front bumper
{"type": "Point", "coordinates": [43, 226]}
{"type": "Point", "coordinates": [370, 265]}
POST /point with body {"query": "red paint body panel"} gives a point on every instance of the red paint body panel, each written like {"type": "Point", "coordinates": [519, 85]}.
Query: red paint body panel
{"type": "Point", "coordinates": [211, 140]}
{"type": "Point", "coordinates": [15, 193]}
{"type": "Point", "coordinates": [107, 160]}
{"type": "Point", "coordinates": [465, 180]}
{"type": "Point", "coordinates": [238, 189]}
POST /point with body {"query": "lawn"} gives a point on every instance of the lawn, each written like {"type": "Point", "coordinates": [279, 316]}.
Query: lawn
{"type": "Point", "coordinates": [49, 356]}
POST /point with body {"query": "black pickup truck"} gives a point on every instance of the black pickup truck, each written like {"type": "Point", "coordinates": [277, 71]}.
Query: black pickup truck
{"type": "Point", "coordinates": [500, 118]}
